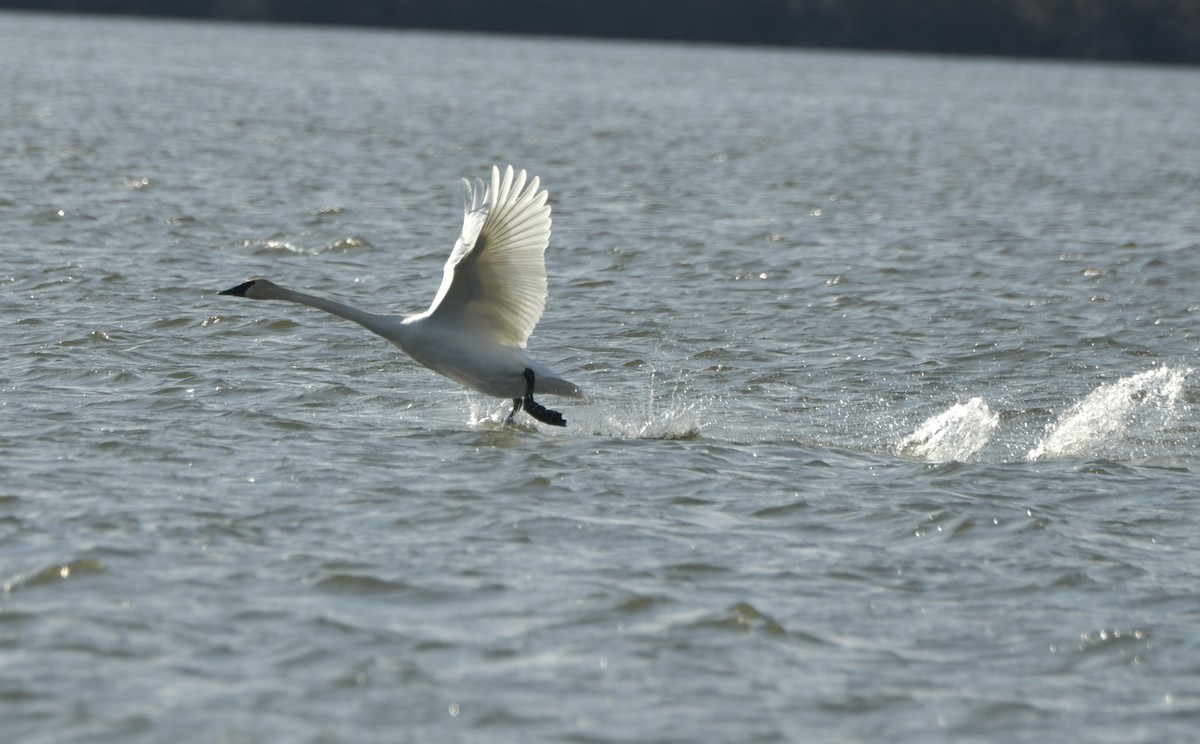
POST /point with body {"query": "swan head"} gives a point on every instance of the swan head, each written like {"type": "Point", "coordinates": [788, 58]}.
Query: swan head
{"type": "Point", "coordinates": [255, 289]}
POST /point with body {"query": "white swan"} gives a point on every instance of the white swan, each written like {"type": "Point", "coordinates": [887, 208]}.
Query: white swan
{"type": "Point", "coordinates": [492, 295]}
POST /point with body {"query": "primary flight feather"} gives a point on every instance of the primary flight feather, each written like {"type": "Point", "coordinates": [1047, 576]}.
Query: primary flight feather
{"type": "Point", "coordinates": [492, 295]}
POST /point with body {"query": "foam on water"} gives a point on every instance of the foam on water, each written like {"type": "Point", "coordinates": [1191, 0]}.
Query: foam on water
{"type": "Point", "coordinates": [1106, 422]}
{"type": "Point", "coordinates": [954, 434]}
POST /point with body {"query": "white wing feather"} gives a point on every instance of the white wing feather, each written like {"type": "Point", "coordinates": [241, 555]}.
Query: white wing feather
{"type": "Point", "coordinates": [495, 279]}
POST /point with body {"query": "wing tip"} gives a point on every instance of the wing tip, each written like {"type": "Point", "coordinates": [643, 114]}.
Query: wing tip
{"type": "Point", "coordinates": [514, 186]}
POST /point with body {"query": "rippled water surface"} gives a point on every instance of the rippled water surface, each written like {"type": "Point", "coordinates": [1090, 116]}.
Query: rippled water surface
{"type": "Point", "coordinates": [891, 421]}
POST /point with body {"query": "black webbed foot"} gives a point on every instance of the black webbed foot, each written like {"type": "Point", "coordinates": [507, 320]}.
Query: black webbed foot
{"type": "Point", "coordinates": [535, 409]}
{"type": "Point", "coordinates": [543, 414]}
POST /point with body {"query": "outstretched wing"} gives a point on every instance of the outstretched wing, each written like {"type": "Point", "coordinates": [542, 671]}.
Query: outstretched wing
{"type": "Point", "coordinates": [495, 279]}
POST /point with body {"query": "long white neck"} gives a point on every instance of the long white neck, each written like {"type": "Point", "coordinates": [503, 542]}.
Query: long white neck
{"type": "Point", "coordinates": [385, 325]}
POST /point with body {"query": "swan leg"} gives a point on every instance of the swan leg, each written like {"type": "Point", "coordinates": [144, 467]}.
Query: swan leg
{"type": "Point", "coordinates": [516, 407]}
{"type": "Point", "coordinates": [535, 409]}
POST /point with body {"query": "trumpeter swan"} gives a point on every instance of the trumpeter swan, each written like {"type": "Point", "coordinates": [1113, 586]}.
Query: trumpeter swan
{"type": "Point", "coordinates": [492, 295]}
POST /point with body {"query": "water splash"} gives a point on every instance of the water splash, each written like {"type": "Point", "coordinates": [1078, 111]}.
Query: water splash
{"type": "Point", "coordinates": [485, 413]}
{"type": "Point", "coordinates": [661, 414]}
{"type": "Point", "coordinates": [954, 434]}
{"type": "Point", "coordinates": [678, 420]}
{"type": "Point", "coordinates": [1101, 423]}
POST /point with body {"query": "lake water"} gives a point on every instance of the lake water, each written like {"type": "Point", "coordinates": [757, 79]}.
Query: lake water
{"type": "Point", "coordinates": [891, 427]}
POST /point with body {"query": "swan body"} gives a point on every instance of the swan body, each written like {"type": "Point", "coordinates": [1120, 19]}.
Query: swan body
{"type": "Point", "coordinates": [493, 293]}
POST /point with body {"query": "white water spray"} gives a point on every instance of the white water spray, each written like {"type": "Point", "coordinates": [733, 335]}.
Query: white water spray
{"type": "Point", "coordinates": [1098, 424]}
{"type": "Point", "coordinates": [954, 434]}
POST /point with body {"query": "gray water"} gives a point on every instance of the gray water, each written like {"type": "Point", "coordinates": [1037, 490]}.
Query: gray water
{"type": "Point", "coordinates": [891, 427]}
